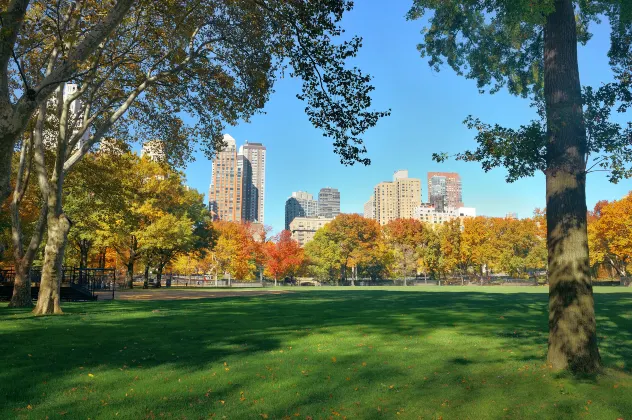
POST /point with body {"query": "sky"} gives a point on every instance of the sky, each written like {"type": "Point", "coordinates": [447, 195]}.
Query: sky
{"type": "Point", "coordinates": [428, 109]}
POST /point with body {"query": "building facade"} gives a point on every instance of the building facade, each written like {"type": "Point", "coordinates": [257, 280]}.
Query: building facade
{"type": "Point", "coordinates": [397, 199]}
{"type": "Point", "coordinates": [369, 208]}
{"type": "Point", "coordinates": [154, 150]}
{"type": "Point", "coordinates": [444, 190]}
{"type": "Point", "coordinates": [254, 157]}
{"type": "Point", "coordinates": [328, 202]}
{"type": "Point", "coordinates": [304, 228]}
{"type": "Point", "coordinates": [427, 213]}
{"type": "Point", "coordinates": [226, 190]}
{"type": "Point", "coordinates": [300, 204]}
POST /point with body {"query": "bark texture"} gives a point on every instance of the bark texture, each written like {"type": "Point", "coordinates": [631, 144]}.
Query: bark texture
{"type": "Point", "coordinates": [572, 326]}
{"type": "Point", "coordinates": [21, 297]}
{"type": "Point", "coordinates": [48, 301]}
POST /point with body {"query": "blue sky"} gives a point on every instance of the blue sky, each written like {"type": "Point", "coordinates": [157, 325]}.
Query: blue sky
{"type": "Point", "coordinates": [427, 113]}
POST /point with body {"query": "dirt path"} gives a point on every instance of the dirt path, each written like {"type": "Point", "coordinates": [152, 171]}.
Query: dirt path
{"type": "Point", "coordinates": [175, 294]}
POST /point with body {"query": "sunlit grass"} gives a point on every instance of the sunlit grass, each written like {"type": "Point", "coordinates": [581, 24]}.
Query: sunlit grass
{"type": "Point", "coordinates": [361, 353]}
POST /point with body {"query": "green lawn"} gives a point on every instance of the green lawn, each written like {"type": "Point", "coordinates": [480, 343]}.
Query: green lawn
{"type": "Point", "coordinates": [451, 353]}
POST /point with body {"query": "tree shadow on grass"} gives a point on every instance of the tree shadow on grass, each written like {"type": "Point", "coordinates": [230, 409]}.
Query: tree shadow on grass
{"type": "Point", "coordinates": [194, 337]}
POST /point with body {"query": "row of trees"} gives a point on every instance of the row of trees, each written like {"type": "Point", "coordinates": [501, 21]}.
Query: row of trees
{"type": "Point", "coordinates": [123, 210]}
{"type": "Point", "coordinates": [352, 247]}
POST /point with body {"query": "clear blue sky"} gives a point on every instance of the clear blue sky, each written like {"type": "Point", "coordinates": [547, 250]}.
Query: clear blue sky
{"type": "Point", "coordinates": [427, 113]}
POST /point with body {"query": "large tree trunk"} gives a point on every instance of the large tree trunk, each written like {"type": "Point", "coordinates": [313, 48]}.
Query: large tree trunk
{"type": "Point", "coordinates": [146, 281]}
{"type": "Point", "coordinates": [129, 279]}
{"type": "Point", "coordinates": [48, 301]}
{"type": "Point", "coordinates": [21, 297]}
{"type": "Point", "coordinates": [159, 275]}
{"type": "Point", "coordinates": [572, 326]}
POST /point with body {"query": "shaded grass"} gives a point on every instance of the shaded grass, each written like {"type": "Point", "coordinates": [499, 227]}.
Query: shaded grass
{"type": "Point", "coordinates": [456, 353]}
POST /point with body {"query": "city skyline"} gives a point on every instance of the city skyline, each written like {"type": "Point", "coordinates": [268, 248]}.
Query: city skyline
{"type": "Point", "coordinates": [237, 189]}
{"type": "Point", "coordinates": [427, 113]}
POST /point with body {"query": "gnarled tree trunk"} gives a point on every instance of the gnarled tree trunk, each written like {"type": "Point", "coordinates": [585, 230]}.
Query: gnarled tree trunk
{"type": "Point", "coordinates": [572, 326]}
{"type": "Point", "coordinates": [48, 301]}
{"type": "Point", "coordinates": [21, 297]}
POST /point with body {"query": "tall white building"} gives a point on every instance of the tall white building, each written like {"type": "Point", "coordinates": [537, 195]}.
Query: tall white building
{"type": "Point", "coordinates": [254, 155]}
{"type": "Point", "coordinates": [75, 117]}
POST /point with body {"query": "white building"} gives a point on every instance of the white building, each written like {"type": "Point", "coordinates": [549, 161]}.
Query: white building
{"type": "Point", "coordinates": [75, 118]}
{"type": "Point", "coordinates": [427, 213]}
{"type": "Point", "coordinates": [369, 208]}
{"type": "Point", "coordinates": [154, 150]}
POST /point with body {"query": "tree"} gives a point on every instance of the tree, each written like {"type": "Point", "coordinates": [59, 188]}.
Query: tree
{"type": "Point", "coordinates": [94, 194]}
{"type": "Point", "coordinates": [28, 218]}
{"type": "Point", "coordinates": [29, 32]}
{"type": "Point", "coordinates": [531, 47]}
{"type": "Point", "coordinates": [450, 246]}
{"type": "Point", "coordinates": [284, 256]}
{"type": "Point", "coordinates": [234, 250]}
{"type": "Point", "coordinates": [406, 237]}
{"type": "Point", "coordinates": [323, 256]}
{"type": "Point", "coordinates": [610, 235]}
{"type": "Point", "coordinates": [355, 238]}
{"type": "Point", "coordinates": [476, 247]}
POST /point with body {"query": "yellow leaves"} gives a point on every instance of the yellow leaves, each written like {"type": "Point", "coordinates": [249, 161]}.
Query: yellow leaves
{"type": "Point", "coordinates": [263, 416]}
{"type": "Point", "coordinates": [333, 360]}
{"type": "Point", "coordinates": [29, 407]}
{"type": "Point", "coordinates": [90, 375]}
{"type": "Point", "coordinates": [363, 364]}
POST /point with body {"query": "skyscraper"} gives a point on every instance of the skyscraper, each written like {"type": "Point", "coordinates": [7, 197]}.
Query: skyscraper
{"type": "Point", "coordinates": [226, 190]}
{"type": "Point", "coordinates": [444, 190]}
{"type": "Point", "coordinates": [397, 199]}
{"type": "Point", "coordinates": [254, 181]}
{"type": "Point", "coordinates": [300, 204]}
{"type": "Point", "coordinates": [329, 202]}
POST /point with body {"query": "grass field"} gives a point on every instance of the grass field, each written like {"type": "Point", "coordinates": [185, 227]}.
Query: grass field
{"type": "Point", "coordinates": [405, 353]}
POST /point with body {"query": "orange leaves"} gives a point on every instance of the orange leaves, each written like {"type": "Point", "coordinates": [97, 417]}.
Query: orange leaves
{"type": "Point", "coordinates": [283, 256]}
{"type": "Point", "coordinates": [333, 360]}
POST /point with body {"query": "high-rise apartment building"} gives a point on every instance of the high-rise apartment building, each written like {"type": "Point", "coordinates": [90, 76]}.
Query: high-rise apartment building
{"type": "Point", "coordinates": [444, 190]}
{"type": "Point", "coordinates": [328, 202]}
{"type": "Point", "coordinates": [397, 199]}
{"type": "Point", "coordinates": [237, 188]}
{"type": "Point", "coordinates": [369, 208]}
{"type": "Point", "coordinates": [300, 204]}
{"type": "Point", "coordinates": [226, 190]}
{"type": "Point", "coordinates": [254, 155]}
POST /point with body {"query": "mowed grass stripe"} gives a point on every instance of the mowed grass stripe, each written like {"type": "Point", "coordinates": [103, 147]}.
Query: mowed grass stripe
{"type": "Point", "coordinates": [320, 352]}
